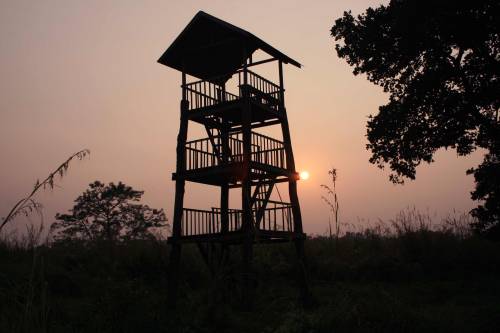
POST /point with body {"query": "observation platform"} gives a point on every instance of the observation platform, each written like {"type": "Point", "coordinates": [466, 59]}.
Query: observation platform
{"type": "Point", "coordinates": [210, 104]}
{"type": "Point", "coordinates": [205, 163]}
{"type": "Point", "coordinates": [273, 224]}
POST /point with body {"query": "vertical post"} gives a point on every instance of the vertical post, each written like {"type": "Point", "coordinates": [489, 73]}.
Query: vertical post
{"type": "Point", "coordinates": [224, 190]}
{"type": "Point", "coordinates": [224, 207]}
{"type": "Point", "coordinates": [305, 294]}
{"type": "Point", "coordinates": [225, 151]}
{"type": "Point", "coordinates": [247, 153]}
{"type": "Point", "coordinates": [246, 190]}
{"type": "Point", "coordinates": [175, 251]}
{"type": "Point", "coordinates": [290, 161]}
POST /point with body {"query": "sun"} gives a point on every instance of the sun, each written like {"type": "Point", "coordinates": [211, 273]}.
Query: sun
{"type": "Point", "coordinates": [304, 175]}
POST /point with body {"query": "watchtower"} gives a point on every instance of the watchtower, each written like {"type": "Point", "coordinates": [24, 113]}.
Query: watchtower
{"type": "Point", "coordinates": [233, 155]}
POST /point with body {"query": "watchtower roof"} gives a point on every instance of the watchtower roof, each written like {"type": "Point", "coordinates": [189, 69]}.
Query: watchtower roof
{"type": "Point", "coordinates": [209, 47]}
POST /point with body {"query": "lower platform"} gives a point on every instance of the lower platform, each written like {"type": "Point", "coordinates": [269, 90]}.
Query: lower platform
{"type": "Point", "coordinates": [237, 237]}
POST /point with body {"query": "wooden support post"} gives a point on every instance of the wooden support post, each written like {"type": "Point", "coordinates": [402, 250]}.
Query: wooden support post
{"type": "Point", "coordinates": [305, 294]}
{"type": "Point", "coordinates": [290, 161]}
{"type": "Point", "coordinates": [205, 254]}
{"type": "Point", "coordinates": [175, 252]}
{"type": "Point", "coordinates": [246, 188]}
{"type": "Point", "coordinates": [246, 194]}
{"type": "Point", "coordinates": [224, 189]}
{"type": "Point", "coordinates": [224, 207]}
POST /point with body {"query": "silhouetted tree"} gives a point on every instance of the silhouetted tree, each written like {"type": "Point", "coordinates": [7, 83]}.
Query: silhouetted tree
{"type": "Point", "coordinates": [440, 63]}
{"type": "Point", "coordinates": [108, 212]}
{"type": "Point", "coordinates": [487, 177]}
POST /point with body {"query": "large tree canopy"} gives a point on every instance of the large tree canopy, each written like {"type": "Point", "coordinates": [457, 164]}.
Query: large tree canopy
{"type": "Point", "coordinates": [108, 212]}
{"type": "Point", "coordinates": [440, 63]}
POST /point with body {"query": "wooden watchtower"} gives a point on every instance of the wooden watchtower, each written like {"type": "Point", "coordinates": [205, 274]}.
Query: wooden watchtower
{"type": "Point", "coordinates": [233, 155]}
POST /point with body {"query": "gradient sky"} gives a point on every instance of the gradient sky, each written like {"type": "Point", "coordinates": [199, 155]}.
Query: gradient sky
{"type": "Point", "coordinates": [83, 74]}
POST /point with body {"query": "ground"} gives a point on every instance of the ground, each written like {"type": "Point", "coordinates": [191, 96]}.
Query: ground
{"type": "Point", "coordinates": [414, 281]}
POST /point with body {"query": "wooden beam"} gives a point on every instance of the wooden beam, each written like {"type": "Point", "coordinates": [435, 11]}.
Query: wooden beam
{"type": "Point", "coordinates": [260, 62]}
{"type": "Point", "coordinates": [214, 145]}
{"type": "Point", "coordinates": [261, 211]}
{"type": "Point", "coordinates": [213, 110]}
{"type": "Point", "coordinates": [278, 180]}
{"type": "Point", "coordinates": [235, 237]}
{"type": "Point", "coordinates": [175, 253]}
{"type": "Point", "coordinates": [206, 256]}
{"type": "Point", "coordinates": [257, 125]}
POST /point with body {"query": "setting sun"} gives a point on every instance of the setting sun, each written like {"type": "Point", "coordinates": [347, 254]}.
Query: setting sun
{"type": "Point", "coordinates": [304, 175]}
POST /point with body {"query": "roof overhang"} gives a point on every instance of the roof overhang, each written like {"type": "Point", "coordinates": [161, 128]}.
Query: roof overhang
{"type": "Point", "coordinates": [212, 49]}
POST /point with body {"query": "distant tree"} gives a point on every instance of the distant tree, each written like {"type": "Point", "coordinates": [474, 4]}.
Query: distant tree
{"type": "Point", "coordinates": [108, 212]}
{"type": "Point", "coordinates": [440, 63]}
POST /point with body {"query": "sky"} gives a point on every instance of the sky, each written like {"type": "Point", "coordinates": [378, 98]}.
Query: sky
{"type": "Point", "coordinates": [83, 74]}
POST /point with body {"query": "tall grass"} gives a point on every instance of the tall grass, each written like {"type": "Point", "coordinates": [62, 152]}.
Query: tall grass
{"type": "Point", "coordinates": [28, 205]}
{"type": "Point", "coordinates": [25, 306]}
{"type": "Point", "coordinates": [408, 274]}
{"type": "Point", "coordinates": [331, 199]}
{"type": "Point", "coordinates": [411, 220]}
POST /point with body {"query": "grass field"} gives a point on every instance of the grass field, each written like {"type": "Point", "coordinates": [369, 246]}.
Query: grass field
{"type": "Point", "coordinates": [406, 277]}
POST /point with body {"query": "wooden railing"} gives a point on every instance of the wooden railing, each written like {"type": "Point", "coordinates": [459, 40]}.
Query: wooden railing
{"type": "Point", "coordinates": [270, 151]}
{"type": "Point", "coordinates": [259, 88]}
{"type": "Point", "coordinates": [200, 222]}
{"type": "Point", "coordinates": [201, 94]}
{"type": "Point", "coordinates": [277, 217]}
{"type": "Point", "coordinates": [234, 218]}
{"type": "Point", "coordinates": [265, 150]}
{"type": "Point", "coordinates": [205, 93]}
{"type": "Point", "coordinates": [207, 152]}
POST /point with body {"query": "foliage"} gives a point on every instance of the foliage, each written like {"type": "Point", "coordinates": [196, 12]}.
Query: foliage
{"type": "Point", "coordinates": [108, 212]}
{"type": "Point", "coordinates": [440, 63]}
{"type": "Point", "coordinates": [28, 205]}
{"type": "Point", "coordinates": [487, 177]}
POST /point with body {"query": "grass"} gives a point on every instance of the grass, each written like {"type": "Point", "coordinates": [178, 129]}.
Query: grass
{"type": "Point", "coordinates": [402, 276]}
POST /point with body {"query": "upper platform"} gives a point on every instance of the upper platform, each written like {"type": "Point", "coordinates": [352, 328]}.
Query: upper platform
{"type": "Point", "coordinates": [211, 104]}
{"type": "Point", "coordinates": [211, 49]}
